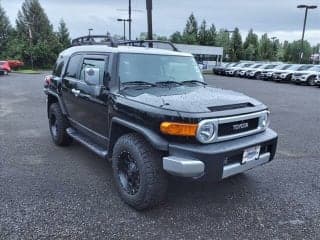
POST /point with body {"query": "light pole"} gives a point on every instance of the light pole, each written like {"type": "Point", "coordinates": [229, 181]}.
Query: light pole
{"type": "Point", "coordinates": [306, 7]}
{"type": "Point", "coordinates": [149, 19]}
{"type": "Point", "coordinates": [90, 30]}
{"type": "Point", "coordinates": [124, 26]}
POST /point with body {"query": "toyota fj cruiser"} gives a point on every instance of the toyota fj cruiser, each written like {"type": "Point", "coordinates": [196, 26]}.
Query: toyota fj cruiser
{"type": "Point", "coordinates": [150, 112]}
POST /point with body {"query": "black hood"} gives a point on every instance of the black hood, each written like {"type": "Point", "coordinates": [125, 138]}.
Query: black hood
{"type": "Point", "coordinates": [190, 99]}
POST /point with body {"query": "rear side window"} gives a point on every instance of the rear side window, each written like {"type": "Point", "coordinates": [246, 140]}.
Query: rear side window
{"type": "Point", "coordinates": [73, 66]}
{"type": "Point", "coordinates": [57, 69]}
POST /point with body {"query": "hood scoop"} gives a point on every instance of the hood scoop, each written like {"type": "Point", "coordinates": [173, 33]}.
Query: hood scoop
{"type": "Point", "coordinates": [230, 107]}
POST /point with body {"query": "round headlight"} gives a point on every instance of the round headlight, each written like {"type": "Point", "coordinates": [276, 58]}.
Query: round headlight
{"type": "Point", "coordinates": [264, 120]}
{"type": "Point", "coordinates": [206, 131]}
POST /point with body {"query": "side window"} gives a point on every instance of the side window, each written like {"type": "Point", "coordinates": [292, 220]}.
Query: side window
{"type": "Point", "coordinates": [57, 69]}
{"type": "Point", "coordinates": [73, 66]}
{"type": "Point", "coordinates": [93, 63]}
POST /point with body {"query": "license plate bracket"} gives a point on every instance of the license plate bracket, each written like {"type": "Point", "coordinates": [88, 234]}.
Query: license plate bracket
{"type": "Point", "coordinates": [251, 154]}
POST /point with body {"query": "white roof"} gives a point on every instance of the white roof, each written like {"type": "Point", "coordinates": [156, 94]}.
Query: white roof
{"type": "Point", "coordinates": [122, 49]}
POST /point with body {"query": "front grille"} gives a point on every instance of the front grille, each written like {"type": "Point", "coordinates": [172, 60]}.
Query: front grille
{"type": "Point", "coordinates": [298, 74]}
{"type": "Point", "coordinates": [233, 128]}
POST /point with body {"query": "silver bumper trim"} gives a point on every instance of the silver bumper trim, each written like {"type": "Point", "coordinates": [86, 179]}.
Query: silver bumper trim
{"type": "Point", "coordinates": [183, 167]}
{"type": "Point", "coordinates": [236, 168]}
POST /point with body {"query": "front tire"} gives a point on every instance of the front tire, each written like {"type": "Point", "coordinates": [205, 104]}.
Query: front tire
{"type": "Point", "coordinates": [311, 81]}
{"type": "Point", "coordinates": [138, 173]}
{"type": "Point", "coordinates": [58, 125]}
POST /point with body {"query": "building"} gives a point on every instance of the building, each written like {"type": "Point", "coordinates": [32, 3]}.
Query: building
{"type": "Point", "coordinates": [207, 55]}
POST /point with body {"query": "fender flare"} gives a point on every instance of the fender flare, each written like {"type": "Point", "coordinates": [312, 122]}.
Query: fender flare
{"type": "Point", "coordinates": [153, 138]}
{"type": "Point", "coordinates": [54, 94]}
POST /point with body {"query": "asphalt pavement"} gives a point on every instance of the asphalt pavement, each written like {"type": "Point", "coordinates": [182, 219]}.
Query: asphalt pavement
{"type": "Point", "coordinates": [47, 192]}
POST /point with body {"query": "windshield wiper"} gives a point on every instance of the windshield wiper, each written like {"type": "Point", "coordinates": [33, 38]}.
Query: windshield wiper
{"type": "Point", "coordinates": [139, 83]}
{"type": "Point", "coordinates": [168, 82]}
{"type": "Point", "coordinates": [194, 82]}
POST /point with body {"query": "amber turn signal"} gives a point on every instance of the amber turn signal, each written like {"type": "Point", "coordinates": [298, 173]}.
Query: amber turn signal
{"type": "Point", "coordinates": [179, 129]}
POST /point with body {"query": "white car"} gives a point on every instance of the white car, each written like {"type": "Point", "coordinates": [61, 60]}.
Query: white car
{"type": "Point", "coordinates": [285, 75]}
{"type": "Point", "coordinates": [308, 76]}
{"type": "Point", "coordinates": [234, 71]}
{"type": "Point", "coordinates": [242, 72]}
{"type": "Point", "coordinates": [256, 73]}
{"type": "Point", "coordinates": [267, 74]}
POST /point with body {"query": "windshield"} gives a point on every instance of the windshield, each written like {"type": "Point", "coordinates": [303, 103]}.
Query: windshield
{"type": "Point", "coordinates": [257, 66]}
{"type": "Point", "coordinates": [304, 67]}
{"type": "Point", "coordinates": [315, 68]}
{"type": "Point", "coordinates": [294, 67]}
{"type": "Point", "coordinates": [283, 67]}
{"type": "Point", "coordinates": [157, 68]}
{"type": "Point", "coordinates": [270, 66]}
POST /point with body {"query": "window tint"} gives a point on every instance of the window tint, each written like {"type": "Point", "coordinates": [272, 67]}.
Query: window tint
{"type": "Point", "coordinates": [57, 69]}
{"type": "Point", "coordinates": [73, 66]}
{"type": "Point", "coordinates": [93, 63]}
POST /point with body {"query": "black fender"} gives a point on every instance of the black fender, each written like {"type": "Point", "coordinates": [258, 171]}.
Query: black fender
{"type": "Point", "coordinates": [57, 98]}
{"type": "Point", "coordinates": [152, 137]}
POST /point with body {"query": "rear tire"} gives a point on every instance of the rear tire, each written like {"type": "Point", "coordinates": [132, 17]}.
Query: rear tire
{"type": "Point", "coordinates": [138, 173]}
{"type": "Point", "coordinates": [58, 125]}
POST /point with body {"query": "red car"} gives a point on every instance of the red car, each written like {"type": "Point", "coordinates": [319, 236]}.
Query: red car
{"type": "Point", "coordinates": [4, 67]}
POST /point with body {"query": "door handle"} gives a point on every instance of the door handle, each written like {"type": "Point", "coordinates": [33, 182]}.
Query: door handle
{"type": "Point", "coordinates": [75, 92]}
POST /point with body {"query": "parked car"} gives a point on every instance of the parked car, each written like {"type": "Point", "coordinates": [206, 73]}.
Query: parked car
{"type": "Point", "coordinates": [4, 67]}
{"type": "Point", "coordinates": [242, 72]}
{"type": "Point", "coordinates": [286, 75]}
{"type": "Point", "coordinates": [226, 69]}
{"type": "Point", "coordinates": [14, 64]}
{"type": "Point", "coordinates": [256, 73]}
{"type": "Point", "coordinates": [234, 71]}
{"type": "Point", "coordinates": [318, 80]}
{"type": "Point", "coordinates": [267, 74]}
{"type": "Point", "coordinates": [155, 121]}
{"type": "Point", "coordinates": [219, 69]}
{"type": "Point", "coordinates": [308, 76]}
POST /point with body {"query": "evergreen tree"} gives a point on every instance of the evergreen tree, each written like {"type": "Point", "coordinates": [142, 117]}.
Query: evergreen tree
{"type": "Point", "coordinates": [212, 35]}
{"type": "Point", "coordinates": [223, 40]}
{"type": "Point", "coordinates": [203, 34]}
{"type": "Point", "coordinates": [176, 37]}
{"type": "Point", "coordinates": [251, 46]}
{"type": "Point", "coordinates": [39, 45]}
{"type": "Point", "coordinates": [5, 31]}
{"type": "Point", "coordinates": [63, 34]}
{"type": "Point", "coordinates": [236, 46]}
{"type": "Point", "coordinates": [190, 32]}
{"type": "Point", "coordinates": [265, 48]}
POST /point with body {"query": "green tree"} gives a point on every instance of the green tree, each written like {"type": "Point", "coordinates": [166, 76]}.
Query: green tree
{"type": "Point", "coordinates": [5, 32]}
{"type": "Point", "coordinates": [176, 37]}
{"type": "Point", "coordinates": [190, 32]}
{"type": "Point", "coordinates": [40, 46]}
{"type": "Point", "coordinates": [266, 51]}
{"type": "Point", "coordinates": [212, 35]}
{"type": "Point", "coordinates": [63, 34]}
{"type": "Point", "coordinates": [203, 34]}
{"type": "Point", "coordinates": [251, 46]}
{"type": "Point", "coordinates": [236, 50]}
{"type": "Point", "coordinates": [223, 40]}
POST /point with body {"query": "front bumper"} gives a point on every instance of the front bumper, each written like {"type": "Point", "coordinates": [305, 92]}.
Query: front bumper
{"type": "Point", "coordinates": [299, 79]}
{"type": "Point", "coordinates": [214, 162]}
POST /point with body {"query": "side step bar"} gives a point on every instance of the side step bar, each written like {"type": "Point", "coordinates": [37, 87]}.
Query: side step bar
{"type": "Point", "coordinates": [87, 143]}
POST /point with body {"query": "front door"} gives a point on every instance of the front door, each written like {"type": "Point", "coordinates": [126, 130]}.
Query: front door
{"type": "Point", "coordinates": [87, 108]}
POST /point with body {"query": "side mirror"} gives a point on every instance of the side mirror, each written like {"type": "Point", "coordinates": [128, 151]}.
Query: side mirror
{"type": "Point", "coordinates": [92, 76]}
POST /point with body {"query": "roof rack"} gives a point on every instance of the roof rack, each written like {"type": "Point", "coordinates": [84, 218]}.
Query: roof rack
{"type": "Point", "coordinates": [94, 40]}
{"type": "Point", "coordinates": [148, 43]}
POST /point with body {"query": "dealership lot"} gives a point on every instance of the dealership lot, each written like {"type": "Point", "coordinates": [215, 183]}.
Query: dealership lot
{"type": "Point", "coordinates": [51, 192]}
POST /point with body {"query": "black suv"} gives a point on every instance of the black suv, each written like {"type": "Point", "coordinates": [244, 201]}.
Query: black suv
{"type": "Point", "coordinates": [149, 112]}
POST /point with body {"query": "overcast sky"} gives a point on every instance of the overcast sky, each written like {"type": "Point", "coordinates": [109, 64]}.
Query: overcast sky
{"type": "Point", "coordinates": [279, 18]}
